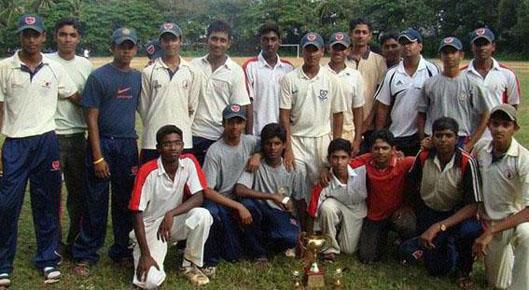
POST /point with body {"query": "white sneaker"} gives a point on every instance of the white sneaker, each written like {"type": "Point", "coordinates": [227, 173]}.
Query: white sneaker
{"type": "Point", "coordinates": [5, 280]}
{"type": "Point", "coordinates": [290, 253]}
{"type": "Point", "coordinates": [51, 275]}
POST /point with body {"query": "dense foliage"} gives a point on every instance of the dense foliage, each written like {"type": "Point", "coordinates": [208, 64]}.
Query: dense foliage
{"type": "Point", "coordinates": [434, 18]}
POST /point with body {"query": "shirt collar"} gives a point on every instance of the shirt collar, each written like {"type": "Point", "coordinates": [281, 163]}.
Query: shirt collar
{"type": "Point", "coordinates": [337, 183]}
{"type": "Point", "coordinates": [229, 64]}
{"type": "Point", "coordinates": [456, 158]}
{"type": "Point", "coordinates": [264, 63]}
{"type": "Point", "coordinates": [514, 149]}
{"type": "Point", "coordinates": [421, 66]}
{"type": "Point", "coordinates": [160, 64]}
{"type": "Point", "coordinates": [495, 66]}
{"type": "Point", "coordinates": [302, 74]}
{"type": "Point", "coordinates": [161, 169]}
{"type": "Point", "coordinates": [392, 161]}
{"type": "Point", "coordinates": [17, 63]}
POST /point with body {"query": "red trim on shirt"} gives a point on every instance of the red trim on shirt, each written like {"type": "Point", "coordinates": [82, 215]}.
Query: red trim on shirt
{"type": "Point", "coordinates": [517, 83]}
{"type": "Point", "coordinates": [464, 67]}
{"type": "Point", "coordinates": [244, 67]}
{"type": "Point", "coordinates": [141, 177]}
{"type": "Point", "coordinates": [201, 175]}
{"type": "Point", "coordinates": [312, 209]}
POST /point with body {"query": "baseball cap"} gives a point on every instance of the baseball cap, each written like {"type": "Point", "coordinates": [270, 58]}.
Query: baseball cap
{"type": "Point", "coordinates": [411, 35]}
{"type": "Point", "coordinates": [30, 21]}
{"type": "Point", "coordinates": [123, 34]}
{"type": "Point", "coordinates": [232, 111]}
{"type": "Point", "coordinates": [312, 38]}
{"type": "Point", "coordinates": [507, 109]}
{"type": "Point", "coordinates": [341, 38]}
{"type": "Point", "coordinates": [451, 41]}
{"type": "Point", "coordinates": [153, 49]}
{"type": "Point", "coordinates": [482, 32]}
{"type": "Point", "coordinates": [169, 27]}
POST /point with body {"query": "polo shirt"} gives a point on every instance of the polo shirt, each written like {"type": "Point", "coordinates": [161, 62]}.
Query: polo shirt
{"type": "Point", "coordinates": [30, 99]}
{"type": "Point", "coordinates": [219, 88]}
{"type": "Point", "coordinates": [69, 117]}
{"type": "Point", "coordinates": [352, 194]}
{"type": "Point", "coordinates": [262, 83]}
{"type": "Point", "coordinates": [168, 99]}
{"type": "Point", "coordinates": [115, 93]}
{"type": "Point", "coordinates": [312, 102]}
{"type": "Point", "coordinates": [385, 187]}
{"type": "Point", "coordinates": [500, 84]}
{"type": "Point", "coordinates": [353, 87]}
{"type": "Point", "coordinates": [505, 181]}
{"type": "Point", "coordinates": [446, 189]}
{"type": "Point", "coordinates": [372, 67]}
{"type": "Point", "coordinates": [401, 92]}
{"type": "Point", "coordinates": [459, 98]}
{"type": "Point", "coordinates": [155, 193]}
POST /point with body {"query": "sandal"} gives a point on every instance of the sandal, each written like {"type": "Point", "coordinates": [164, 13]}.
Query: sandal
{"type": "Point", "coordinates": [82, 269]}
{"type": "Point", "coordinates": [210, 271]}
{"type": "Point", "coordinates": [5, 281]}
{"type": "Point", "coordinates": [465, 282]}
{"type": "Point", "coordinates": [329, 258]}
{"type": "Point", "coordinates": [195, 276]}
{"type": "Point", "coordinates": [51, 275]}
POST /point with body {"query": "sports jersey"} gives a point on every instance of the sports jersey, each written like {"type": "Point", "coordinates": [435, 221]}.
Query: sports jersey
{"type": "Point", "coordinates": [218, 89]}
{"type": "Point", "coordinates": [69, 117]}
{"type": "Point", "coordinates": [115, 93]}
{"type": "Point", "coordinates": [262, 83]}
{"type": "Point", "coordinates": [312, 102]}
{"type": "Point", "coordinates": [31, 95]}
{"type": "Point", "coordinates": [224, 164]}
{"type": "Point", "coordinates": [168, 99]}
{"type": "Point", "coordinates": [401, 92]}
{"type": "Point", "coordinates": [459, 98]}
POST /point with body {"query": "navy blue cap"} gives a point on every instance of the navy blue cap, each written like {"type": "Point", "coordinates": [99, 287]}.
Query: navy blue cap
{"type": "Point", "coordinates": [172, 28]}
{"type": "Point", "coordinates": [30, 21]}
{"type": "Point", "coordinates": [234, 110]}
{"type": "Point", "coordinates": [341, 38]}
{"type": "Point", "coordinates": [482, 32]}
{"type": "Point", "coordinates": [153, 49]}
{"type": "Point", "coordinates": [411, 35]}
{"type": "Point", "coordinates": [312, 38]}
{"type": "Point", "coordinates": [451, 41]}
{"type": "Point", "coordinates": [123, 34]}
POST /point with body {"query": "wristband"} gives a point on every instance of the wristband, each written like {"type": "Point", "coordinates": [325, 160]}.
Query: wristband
{"type": "Point", "coordinates": [98, 161]}
{"type": "Point", "coordinates": [285, 200]}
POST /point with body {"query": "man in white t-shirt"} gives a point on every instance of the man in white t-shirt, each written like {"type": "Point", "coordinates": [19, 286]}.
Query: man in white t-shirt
{"type": "Point", "coordinates": [353, 86]}
{"type": "Point", "coordinates": [169, 92]}
{"type": "Point", "coordinates": [262, 79]}
{"type": "Point", "coordinates": [222, 84]}
{"type": "Point", "coordinates": [311, 109]}
{"type": "Point", "coordinates": [164, 214]}
{"type": "Point", "coordinates": [71, 126]}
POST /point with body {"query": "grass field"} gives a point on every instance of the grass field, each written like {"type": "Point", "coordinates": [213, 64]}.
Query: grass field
{"type": "Point", "coordinates": [388, 274]}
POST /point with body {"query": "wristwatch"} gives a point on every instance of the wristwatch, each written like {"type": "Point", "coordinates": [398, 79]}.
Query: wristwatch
{"type": "Point", "coordinates": [442, 227]}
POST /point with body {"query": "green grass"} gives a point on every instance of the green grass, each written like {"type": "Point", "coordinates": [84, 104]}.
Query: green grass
{"type": "Point", "coordinates": [388, 274]}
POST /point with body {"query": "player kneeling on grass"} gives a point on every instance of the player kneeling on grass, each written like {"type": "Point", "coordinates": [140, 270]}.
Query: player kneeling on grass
{"type": "Point", "coordinates": [340, 207]}
{"type": "Point", "coordinates": [268, 194]}
{"type": "Point", "coordinates": [162, 216]}
{"type": "Point", "coordinates": [447, 180]}
{"type": "Point", "coordinates": [504, 165]}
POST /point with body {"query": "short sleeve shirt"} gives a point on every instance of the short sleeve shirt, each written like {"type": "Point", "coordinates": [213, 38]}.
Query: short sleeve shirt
{"type": "Point", "coordinates": [224, 164]}
{"type": "Point", "coordinates": [219, 88]}
{"type": "Point", "coordinates": [155, 193]}
{"type": "Point", "coordinates": [168, 99]}
{"type": "Point", "coordinates": [459, 98]}
{"type": "Point", "coordinates": [353, 88]}
{"type": "Point", "coordinates": [116, 94]}
{"type": "Point", "coordinates": [268, 179]}
{"type": "Point", "coordinates": [401, 92]}
{"type": "Point", "coordinates": [312, 102]}
{"type": "Point", "coordinates": [30, 99]}
{"type": "Point", "coordinates": [69, 117]}
{"type": "Point", "coordinates": [262, 83]}
{"type": "Point", "coordinates": [505, 181]}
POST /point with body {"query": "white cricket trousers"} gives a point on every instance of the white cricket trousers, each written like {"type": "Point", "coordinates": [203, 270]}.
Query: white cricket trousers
{"type": "Point", "coordinates": [192, 226]}
{"type": "Point", "coordinates": [507, 259]}
{"type": "Point", "coordinates": [334, 215]}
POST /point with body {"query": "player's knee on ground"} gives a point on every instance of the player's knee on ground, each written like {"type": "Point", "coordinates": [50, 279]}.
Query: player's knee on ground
{"type": "Point", "coordinates": [328, 209]}
{"type": "Point", "coordinates": [154, 279]}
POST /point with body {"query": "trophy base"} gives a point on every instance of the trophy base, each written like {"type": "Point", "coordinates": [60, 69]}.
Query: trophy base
{"type": "Point", "coordinates": [315, 280]}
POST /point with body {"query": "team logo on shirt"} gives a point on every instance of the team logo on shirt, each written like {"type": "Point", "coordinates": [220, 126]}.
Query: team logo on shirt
{"type": "Point", "coordinates": [134, 170]}
{"type": "Point", "coordinates": [509, 174]}
{"type": "Point", "coordinates": [185, 84]}
{"type": "Point", "coordinates": [151, 49]}
{"type": "Point", "coordinates": [480, 31]}
{"type": "Point", "coordinates": [55, 165]}
{"type": "Point", "coordinates": [46, 84]}
{"type": "Point", "coordinates": [156, 85]}
{"type": "Point", "coordinates": [124, 93]}
{"type": "Point", "coordinates": [323, 95]}
{"type": "Point", "coordinates": [399, 83]}
{"type": "Point", "coordinates": [29, 20]}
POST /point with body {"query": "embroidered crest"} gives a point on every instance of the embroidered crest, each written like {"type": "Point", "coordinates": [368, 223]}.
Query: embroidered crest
{"type": "Point", "coordinates": [509, 174]}
{"type": "Point", "coordinates": [55, 165]}
{"type": "Point", "coordinates": [323, 95]}
{"type": "Point", "coordinates": [311, 37]}
{"type": "Point", "coordinates": [151, 49]}
{"type": "Point", "coordinates": [480, 31]}
{"type": "Point", "coordinates": [448, 40]}
{"type": "Point", "coordinates": [134, 170]}
{"type": "Point", "coordinates": [185, 84]}
{"type": "Point", "coordinates": [235, 108]}
{"type": "Point", "coordinates": [168, 26]}
{"type": "Point", "coordinates": [339, 36]}
{"type": "Point", "coordinates": [125, 31]}
{"type": "Point", "coordinates": [30, 20]}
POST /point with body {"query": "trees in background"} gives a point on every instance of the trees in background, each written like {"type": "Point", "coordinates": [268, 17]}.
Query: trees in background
{"type": "Point", "coordinates": [434, 18]}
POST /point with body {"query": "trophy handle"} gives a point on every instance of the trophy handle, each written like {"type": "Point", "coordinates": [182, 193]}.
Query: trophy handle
{"type": "Point", "coordinates": [328, 243]}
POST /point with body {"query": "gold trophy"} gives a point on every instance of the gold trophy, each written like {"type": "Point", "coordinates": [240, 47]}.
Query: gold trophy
{"type": "Point", "coordinates": [314, 273]}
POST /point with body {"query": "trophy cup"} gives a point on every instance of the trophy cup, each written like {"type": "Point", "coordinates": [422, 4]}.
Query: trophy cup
{"type": "Point", "coordinates": [314, 273]}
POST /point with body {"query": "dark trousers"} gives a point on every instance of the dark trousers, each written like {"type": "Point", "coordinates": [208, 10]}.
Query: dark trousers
{"type": "Point", "coordinates": [365, 147]}
{"type": "Point", "coordinates": [272, 230]}
{"type": "Point", "coordinates": [121, 155]}
{"type": "Point", "coordinates": [224, 239]}
{"type": "Point", "coordinates": [409, 145]}
{"type": "Point", "coordinates": [200, 147]}
{"type": "Point", "coordinates": [35, 158]}
{"type": "Point", "coordinates": [73, 154]}
{"type": "Point", "coordinates": [453, 248]}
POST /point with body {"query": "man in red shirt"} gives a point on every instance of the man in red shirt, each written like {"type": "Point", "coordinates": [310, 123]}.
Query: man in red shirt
{"type": "Point", "coordinates": [386, 183]}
